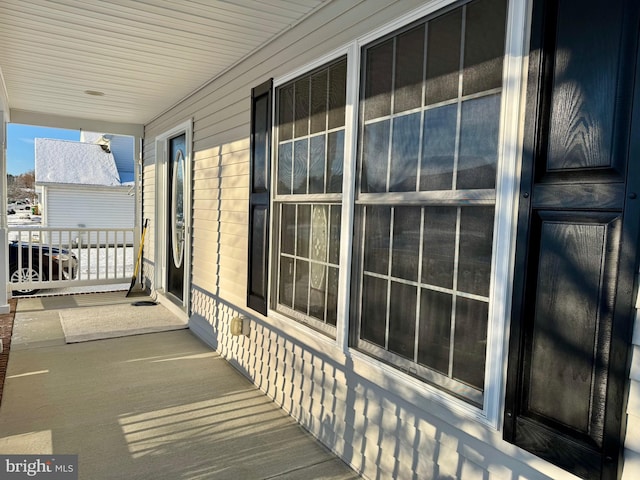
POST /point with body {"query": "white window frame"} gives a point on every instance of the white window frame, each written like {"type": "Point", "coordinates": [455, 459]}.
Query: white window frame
{"type": "Point", "coordinates": [347, 164]}
{"type": "Point", "coordinates": [506, 205]}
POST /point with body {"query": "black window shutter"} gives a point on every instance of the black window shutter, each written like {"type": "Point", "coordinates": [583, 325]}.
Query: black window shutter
{"type": "Point", "coordinates": [259, 178]}
{"type": "Point", "coordinates": [576, 251]}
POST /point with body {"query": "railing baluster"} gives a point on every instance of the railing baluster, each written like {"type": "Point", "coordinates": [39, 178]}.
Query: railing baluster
{"type": "Point", "coordinates": [105, 257]}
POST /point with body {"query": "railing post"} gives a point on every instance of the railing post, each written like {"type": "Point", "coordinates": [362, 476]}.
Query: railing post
{"type": "Point", "coordinates": [4, 238]}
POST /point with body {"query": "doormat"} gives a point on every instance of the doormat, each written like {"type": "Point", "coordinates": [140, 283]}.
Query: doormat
{"type": "Point", "coordinates": [111, 321]}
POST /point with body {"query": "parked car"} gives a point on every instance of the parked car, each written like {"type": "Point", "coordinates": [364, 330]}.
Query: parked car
{"type": "Point", "coordinates": [19, 205]}
{"type": "Point", "coordinates": [47, 263]}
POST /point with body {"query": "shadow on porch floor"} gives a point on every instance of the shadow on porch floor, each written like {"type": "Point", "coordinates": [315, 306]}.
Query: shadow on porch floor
{"type": "Point", "coordinates": [158, 405]}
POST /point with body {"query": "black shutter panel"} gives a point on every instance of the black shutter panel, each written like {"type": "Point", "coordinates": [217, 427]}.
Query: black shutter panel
{"type": "Point", "coordinates": [259, 178]}
{"type": "Point", "coordinates": [577, 237]}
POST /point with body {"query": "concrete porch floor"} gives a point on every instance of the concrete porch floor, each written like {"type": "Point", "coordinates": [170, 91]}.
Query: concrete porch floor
{"type": "Point", "coordinates": [152, 406]}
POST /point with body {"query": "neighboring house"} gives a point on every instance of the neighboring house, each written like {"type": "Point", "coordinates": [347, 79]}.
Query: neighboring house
{"type": "Point", "coordinates": [429, 222]}
{"type": "Point", "coordinates": [85, 184]}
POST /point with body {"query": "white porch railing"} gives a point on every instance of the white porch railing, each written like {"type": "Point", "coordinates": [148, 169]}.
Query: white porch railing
{"type": "Point", "coordinates": [43, 257]}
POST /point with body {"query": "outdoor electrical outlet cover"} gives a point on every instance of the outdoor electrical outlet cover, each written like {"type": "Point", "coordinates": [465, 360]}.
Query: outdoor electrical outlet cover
{"type": "Point", "coordinates": [239, 326]}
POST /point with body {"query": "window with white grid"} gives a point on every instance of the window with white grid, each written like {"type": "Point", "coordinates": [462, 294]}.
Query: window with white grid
{"type": "Point", "coordinates": [426, 194]}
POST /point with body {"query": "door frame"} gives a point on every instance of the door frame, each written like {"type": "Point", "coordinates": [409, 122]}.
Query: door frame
{"type": "Point", "coordinates": [161, 208]}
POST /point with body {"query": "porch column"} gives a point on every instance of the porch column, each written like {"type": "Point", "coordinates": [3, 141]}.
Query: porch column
{"type": "Point", "coordinates": [4, 239]}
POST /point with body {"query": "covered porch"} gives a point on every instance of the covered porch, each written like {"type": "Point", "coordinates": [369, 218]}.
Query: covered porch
{"type": "Point", "coordinates": [153, 405]}
{"type": "Point", "coordinates": [160, 405]}
{"type": "Point", "coordinates": [114, 68]}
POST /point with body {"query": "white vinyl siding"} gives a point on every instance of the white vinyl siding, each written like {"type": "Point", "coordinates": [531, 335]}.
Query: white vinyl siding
{"type": "Point", "coordinates": [68, 206]}
{"type": "Point", "coordinates": [72, 206]}
{"type": "Point", "coordinates": [380, 424]}
{"type": "Point", "coordinates": [220, 112]}
{"type": "Point", "coordinates": [632, 440]}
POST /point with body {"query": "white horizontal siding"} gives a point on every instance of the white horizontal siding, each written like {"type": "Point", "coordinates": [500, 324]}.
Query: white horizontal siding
{"type": "Point", "coordinates": [71, 207]}
{"type": "Point", "coordinates": [344, 402]}
{"type": "Point", "coordinates": [632, 440]}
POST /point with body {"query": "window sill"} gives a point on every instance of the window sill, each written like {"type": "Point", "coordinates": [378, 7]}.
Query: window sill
{"type": "Point", "coordinates": [445, 406]}
{"type": "Point", "coordinates": [310, 336]}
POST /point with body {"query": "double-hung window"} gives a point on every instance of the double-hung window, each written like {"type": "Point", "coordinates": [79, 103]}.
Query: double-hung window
{"type": "Point", "coordinates": [426, 194]}
{"type": "Point", "coordinates": [424, 184]}
{"type": "Point", "coordinates": [310, 122]}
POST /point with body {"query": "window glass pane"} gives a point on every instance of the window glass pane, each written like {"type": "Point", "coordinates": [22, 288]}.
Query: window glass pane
{"type": "Point", "coordinates": [303, 229]}
{"type": "Point", "coordinates": [335, 161]}
{"type": "Point", "coordinates": [438, 251]}
{"type": "Point", "coordinates": [405, 149]}
{"type": "Point", "coordinates": [285, 113]}
{"type": "Point", "coordinates": [375, 157]}
{"type": "Point", "coordinates": [479, 143]}
{"type": "Point", "coordinates": [319, 102]}
{"type": "Point", "coordinates": [301, 296]}
{"type": "Point", "coordinates": [319, 232]}
{"type": "Point", "coordinates": [332, 296]}
{"type": "Point", "coordinates": [317, 164]}
{"type": "Point", "coordinates": [476, 237]}
{"type": "Point", "coordinates": [402, 320]}
{"type": "Point", "coordinates": [337, 94]}
{"type": "Point", "coordinates": [435, 330]}
{"type": "Point", "coordinates": [334, 234]}
{"type": "Point", "coordinates": [301, 112]}
{"type": "Point", "coordinates": [406, 242]}
{"type": "Point", "coordinates": [439, 145]}
{"type": "Point", "coordinates": [484, 45]}
{"type": "Point", "coordinates": [309, 166]}
{"type": "Point", "coordinates": [424, 246]}
{"type": "Point", "coordinates": [470, 341]}
{"type": "Point", "coordinates": [288, 229]}
{"type": "Point", "coordinates": [285, 289]}
{"type": "Point", "coordinates": [317, 293]}
{"type": "Point", "coordinates": [377, 90]}
{"type": "Point", "coordinates": [443, 57]}
{"type": "Point", "coordinates": [300, 166]}
{"type": "Point", "coordinates": [376, 239]}
{"type": "Point", "coordinates": [374, 310]}
{"type": "Point", "coordinates": [284, 169]}
{"type": "Point", "coordinates": [409, 70]}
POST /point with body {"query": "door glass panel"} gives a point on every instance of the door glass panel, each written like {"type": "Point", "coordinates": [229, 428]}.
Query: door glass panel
{"type": "Point", "coordinates": [177, 209]}
{"type": "Point", "coordinates": [175, 217]}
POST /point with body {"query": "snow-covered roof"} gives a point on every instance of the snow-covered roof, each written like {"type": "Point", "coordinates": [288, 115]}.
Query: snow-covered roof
{"type": "Point", "coordinates": [63, 161]}
{"type": "Point", "coordinates": [90, 137]}
{"type": "Point", "coordinates": [122, 148]}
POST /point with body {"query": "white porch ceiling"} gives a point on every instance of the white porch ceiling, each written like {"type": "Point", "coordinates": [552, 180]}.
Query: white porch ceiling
{"type": "Point", "coordinates": [144, 55]}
